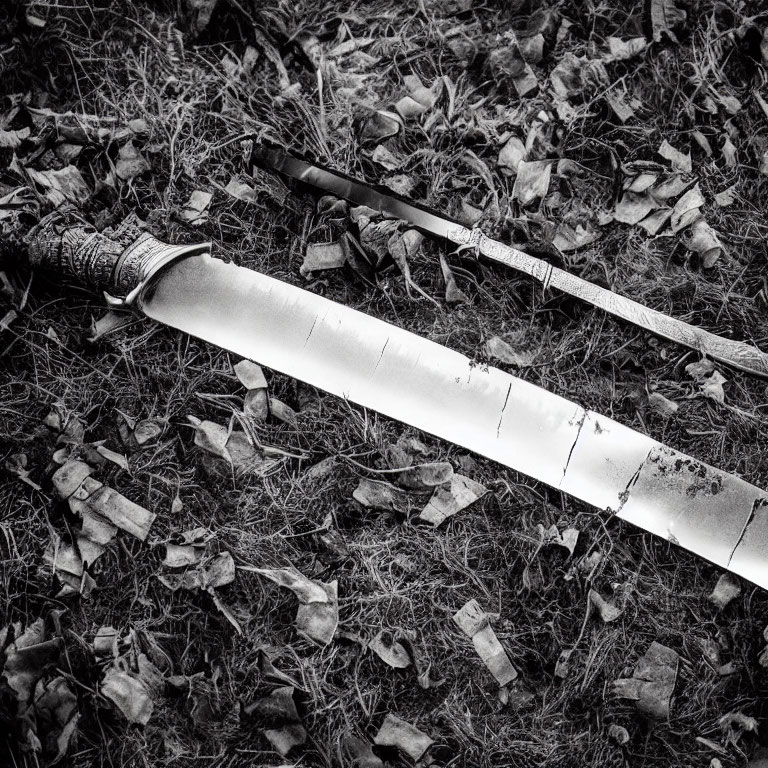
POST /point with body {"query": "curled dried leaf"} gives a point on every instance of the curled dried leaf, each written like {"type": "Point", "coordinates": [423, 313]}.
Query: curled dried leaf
{"type": "Point", "coordinates": [727, 589]}
{"type": "Point", "coordinates": [652, 682]}
{"type": "Point", "coordinates": [388, 646]}
{"type": "Point", "coordinates": [395, 732]}
{"type": "Point", "coordinates": [376, 494]}
{"type": "Point", "coordinates": [451, 498]}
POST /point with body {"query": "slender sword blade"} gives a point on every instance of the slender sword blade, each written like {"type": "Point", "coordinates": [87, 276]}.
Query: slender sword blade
{"type": "Point", "coordinates": [428, 386]}
{"type": "Point", "coordinates": [740, 354]}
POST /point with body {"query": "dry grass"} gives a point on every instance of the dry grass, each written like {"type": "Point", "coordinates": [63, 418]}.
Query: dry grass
{"type": "Point", "coordinates": [142, 63]}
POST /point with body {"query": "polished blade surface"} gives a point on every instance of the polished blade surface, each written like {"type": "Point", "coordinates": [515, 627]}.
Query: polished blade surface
{"type": "Point", "coordinates": [346, 187]}
{"type": "Point", "coordinates": [428, 386]}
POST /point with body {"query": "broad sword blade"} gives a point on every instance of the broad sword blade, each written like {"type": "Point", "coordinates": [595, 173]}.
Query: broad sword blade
{"type": "Point", "coordinates": [428, 386]}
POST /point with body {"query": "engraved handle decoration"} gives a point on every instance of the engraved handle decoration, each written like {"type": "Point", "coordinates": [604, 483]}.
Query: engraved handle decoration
{"type": "Point", "coordinates": [736, 353]}
{"type": "Point", "coordinates": [64, 243]}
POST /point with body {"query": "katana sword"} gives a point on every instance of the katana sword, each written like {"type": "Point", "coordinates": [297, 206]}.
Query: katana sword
{"type": "Point", "coordinates": [739, 354]}
{"type": "Point", "coordinates": [404, 376]}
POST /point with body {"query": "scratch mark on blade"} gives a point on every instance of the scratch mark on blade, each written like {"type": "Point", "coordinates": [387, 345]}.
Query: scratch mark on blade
{"type": "Point", "coordinates": [503, 408]}
{"type": "Point", "coordinates": [582, 421]}
{"type": "Point", "coordinates": [756, 504]}
{"type": "Point", "coordinates": [624, 495]}
{"type": "Point", "coordinates": [314, 323]}
{"type": "Point", "coordinates": [381, 355]}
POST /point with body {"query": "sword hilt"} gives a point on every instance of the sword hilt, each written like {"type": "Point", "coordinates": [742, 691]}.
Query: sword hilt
{"type": "Point", "coordinates": [65, 244]}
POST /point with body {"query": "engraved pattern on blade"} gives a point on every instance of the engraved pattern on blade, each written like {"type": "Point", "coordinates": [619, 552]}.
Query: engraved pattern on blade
{"type": "Point", "coordinates": [512, 257]}
{"type": "Point", "coordinates": [737, 353]}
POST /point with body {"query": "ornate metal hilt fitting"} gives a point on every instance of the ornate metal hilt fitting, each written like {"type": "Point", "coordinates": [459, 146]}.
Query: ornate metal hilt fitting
{"type": "Point", "coordinates": [142, 260]}
{"type": "Point", "coordinates": [64, 243]}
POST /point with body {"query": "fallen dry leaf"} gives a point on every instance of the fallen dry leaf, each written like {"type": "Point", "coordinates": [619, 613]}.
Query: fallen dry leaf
{"type": "Point", "coordinates": [360, 753]}
{"type": "Point", "coordinates": [708, 378]}
{"type": "Point", "coordinates": [380, 125]}
{"type": "Point", "coordinates": [568, 239]}
{"type": "Point", "coordinates": [55, 718]}
{"type": "Point", "coordinates": [65, 185]}
{"type": "Point", "coordinates": [8, 319]}
{"type": "Point", "coordinates": [114, 507]}
{"type": "Point", "coordinates": [137, 434]}
{"type": "Point", "coordinates": [511, 155]}
{"type": "Point", "coordinates": [325, 256]}
{"type": "Point", "coordinates": [250, 375]}
{"type": "Point", "coordinates": [642, 182]}
{"type": "Point", "coordinates": [735, 724]}
{"type": "Point", "coordinates": [282, 412]}
{"type": "Point", "coordinates": [633, 207]}
{"type": "Point", "coordinates": [621, 50]}
{"type": "Point", "coordinates": [671, 187]}
{"type": "Point", "coordinates": [395, 732]}
{"type": "Point", "coordinates": [388, 646]}
{"type": "Point", "coordinates": [129, 694]}
{"type": "Point", "coordinates": [680, 161]}
{"type": "Point", "coordinates": [16, 464]}
{"type": "Point", "coordinates": [196, 210]}
{"type": "Point", "coordinates": [27, 658]}
{"type": "Point", "coordinates": [386, 158]}
{"type": "Point", "coordinates": [105, 641]}
{"type": "Point", "coordinates": [474, 622]}
{"type": "Point", "coordinates": [73, 483]}
{"type": "Point", "coordinates": [656, 220]}
{"type": "Point", "coordinates": [532, 181]}
{"type": "Point", "coordinates": [705, 242]}
{"type": "Point", "coordinates": [665, 16]}
{"type": "Point", "coordinates": [278, 711]}
{"type": "Point", "coordinates": [686, 210]}
{"type": "Point", "coordinates": [498, 349]}
{"type": "Point", "coordinates": [130, 162]}
{"type": "Point", "coordinates": [427, 97]}
{"type": "Point", "coordinates": [423, 477]}
{"type": "Point", "coordinates": [623, 105]}
{"type": "Point", "coordinates": [286, 738]}
{"type": "Point", "coordinates": [209, 573]}
{"type": "Point", "coordinates": [181, 555]}
{"type": "Point", "coordinates": [726, 197]}
{"type": "Point", "coordinates": [451, 498]}
{"type": "Point", "coordinates": [318, 614]}
{"type": "Point", "coordinates": [211, 437]}
{"type": "Point", "coordinates": [107, 454]}
{"type": "Point", "coordinates": [376, 494]}
{"type": "Point", "coordinates": [508, 64]}
{"type": "Point", "coordinates": [607, 610]}
{"type": "Point", "coordinates": [729, 152]}
{"type": "Point", "coordinates": [727, 589]}
{"type": "Point", "coordinates": [574, 75]}
{"type": "Point", "coordinates": [12, 139]}
{"type": "Point", "coordinates": [568, 538]}
{"type": "Point", "coordinates": [241, 191]}
{"type": "Point", "coordinates": [652, 683]}
{"type": "Point", "coordinates": [453, 294]}
{"type": "Point", "coordinates": [256, 404]}
{"type": "Point", "coordinates": [619, 734]}
{"type": "Point", "coordinates": [662, 405]}
{"type": "Point", "coordinates": [401, 184]}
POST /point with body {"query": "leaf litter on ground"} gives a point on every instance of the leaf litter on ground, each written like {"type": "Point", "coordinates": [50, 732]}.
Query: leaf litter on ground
{"type": "Point", "coordinates": [318, 613]}
{"type": "Point", "coordinates": [475, 623]}
{"type": "Point", "coordinates": [652, 683]}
